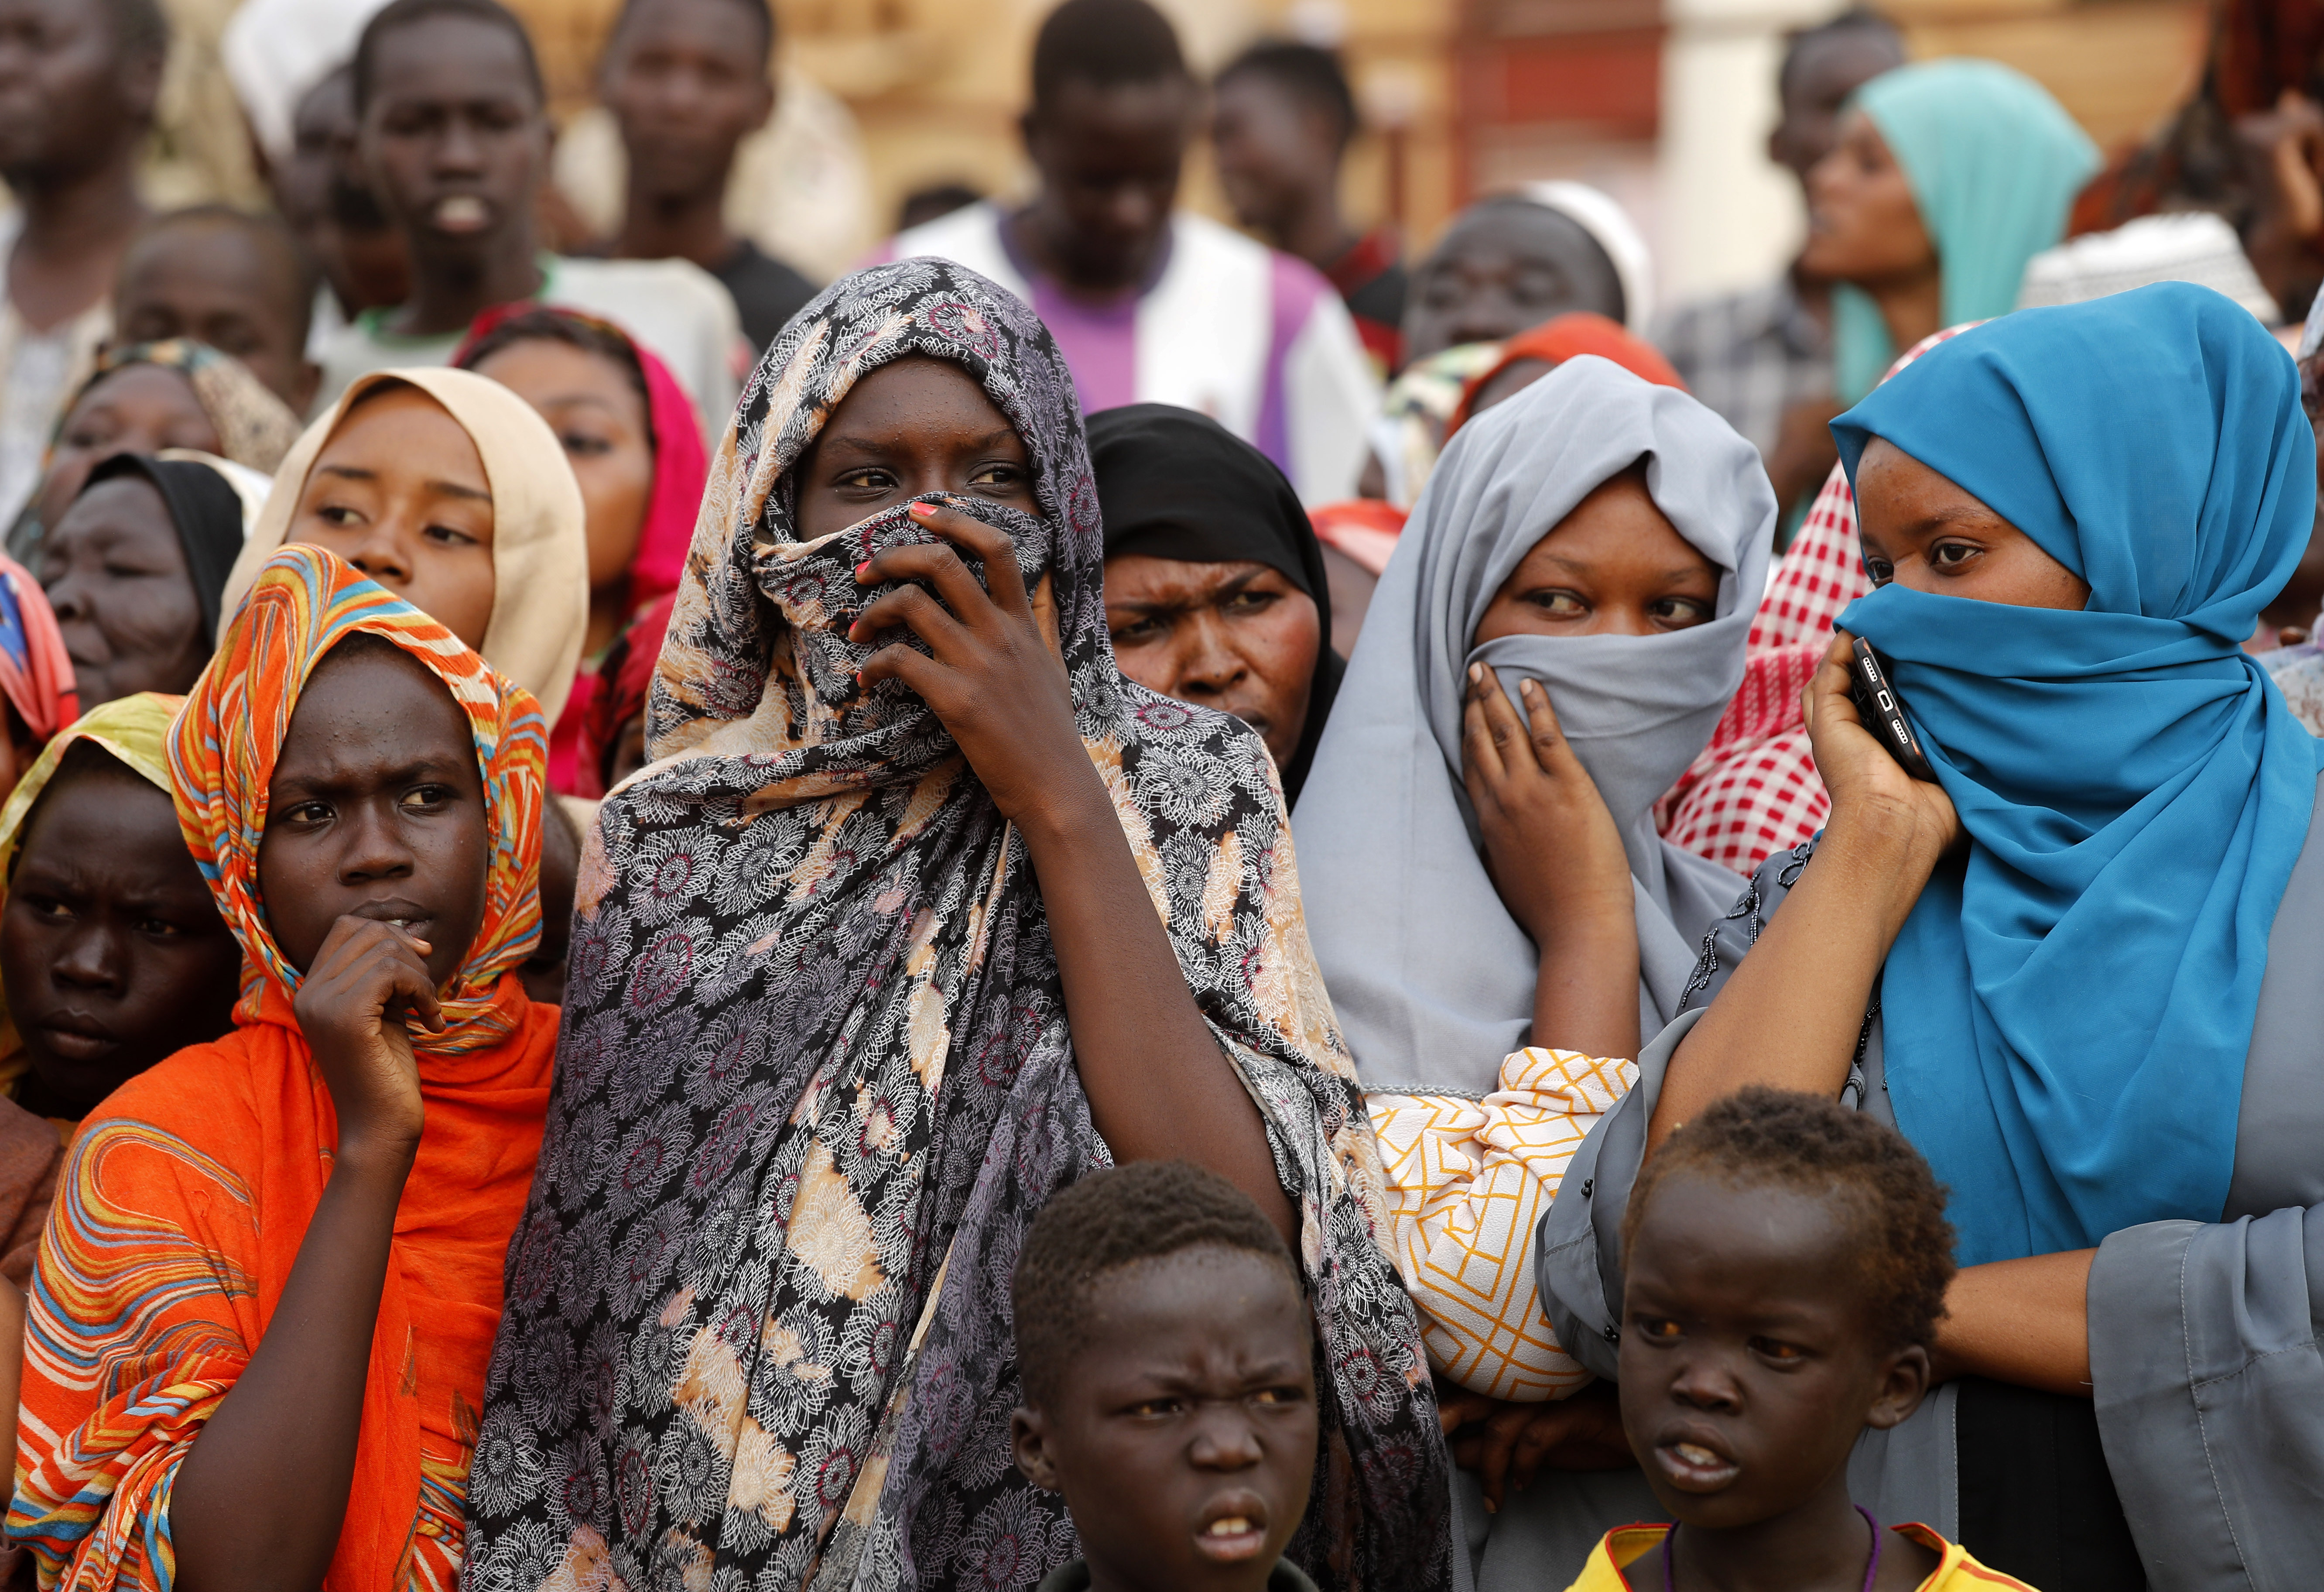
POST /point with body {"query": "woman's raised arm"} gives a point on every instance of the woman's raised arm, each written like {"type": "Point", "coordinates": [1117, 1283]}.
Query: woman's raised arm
{"type": "Point", "coordinates": [1790, 1015]}
{"type": "Point", "coordinates": [1159, 1086]}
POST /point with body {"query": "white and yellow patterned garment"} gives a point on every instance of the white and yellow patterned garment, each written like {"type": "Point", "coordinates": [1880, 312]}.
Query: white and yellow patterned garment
{"type": "Point", "coordinates": [1468, 1183]}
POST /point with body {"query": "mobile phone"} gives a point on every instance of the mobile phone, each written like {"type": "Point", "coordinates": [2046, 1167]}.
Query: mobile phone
{"type": "Point", "coordinates": [1883, 714]}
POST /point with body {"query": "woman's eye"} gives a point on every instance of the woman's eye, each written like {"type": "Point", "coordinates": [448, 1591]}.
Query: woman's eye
{"type": "Point", "coordinates": [1951, 555]}
{"type": "Point", "coordinates": [1879, 571]}
{"type": "Point", "coordinates": [309, 812]}
{"type": "Point", "coordinates": [1562, 604]}
{"type": "Point", "coordinates": [584, 447]}
{"type": "Point", "coordinates": [158, 929]}
{"type": "Point", "coordinates": [1275, 1397]}
{"type": "Point", "coordinates": [424, 796]}
{"type": "Point", "coordinates": [447, 536]}
{"type": "Point", "coordinates": [1656, 1329]}
{"type": "Point", "coordinates": [1156, 1407]}
{"type": "Point", "coordinates": [335, 515]}
{"type": "Point", "coordinates": [48, 907]}
{"type": "Point", "coordinates": [1679, 612]}
{"type": "Point", "coordinates": [1247, 603]}
{"type": "Point", "coordinates": [1783, 1354]}
{"type": "Point", "coordinates": [866, 479]}
{"type": "Point", "coordinates": [996, 475]}
{"type": "Point", "coordinates": [1137, 633]}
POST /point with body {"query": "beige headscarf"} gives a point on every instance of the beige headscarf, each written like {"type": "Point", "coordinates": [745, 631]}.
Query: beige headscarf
{"type": "Point", "coordinates": [540, 551]}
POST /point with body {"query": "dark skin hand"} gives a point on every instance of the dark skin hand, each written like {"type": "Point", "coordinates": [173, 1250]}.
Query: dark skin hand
{"type": "Point", "coordinates": [115, 572]}
{"type": "Point", "coordinates": [1183, 1435]}
{"type": "Point", "coordinates": [111, 950]}
{"type": "Point", "coordinates": [1238, 636]}
{"type": "Point", "coordinates": [1749, 1370]}
{"type": "Point", "coordinates": [1809, 976]}
{"type": "Point", "coordinates": [1614, 566]}
{"type": "Point", "coordinates": [1159, 1086]}
{"type": "Point", "coordinates": [1507, 1445]}
{"type": "Point", "coordinates": [372, 871]}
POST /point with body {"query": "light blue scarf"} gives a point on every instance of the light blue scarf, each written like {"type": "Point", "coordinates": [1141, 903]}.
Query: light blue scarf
{"type": "Point", "coordinates": [2066, 1019]}
{"type": "Point", "coordinates": [1994, 164]}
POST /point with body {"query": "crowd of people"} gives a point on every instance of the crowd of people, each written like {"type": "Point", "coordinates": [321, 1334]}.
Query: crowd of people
{"type": "Point", "coordinates": [829, 1071]}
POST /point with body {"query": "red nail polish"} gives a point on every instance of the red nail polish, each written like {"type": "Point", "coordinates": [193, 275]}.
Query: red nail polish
{"type": "Point", "coordinates": [866, 564]}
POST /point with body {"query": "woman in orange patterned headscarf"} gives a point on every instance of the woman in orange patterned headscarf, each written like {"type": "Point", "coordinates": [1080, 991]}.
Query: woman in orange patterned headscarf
{"type": "Point", "coordinates": [261, 1317]}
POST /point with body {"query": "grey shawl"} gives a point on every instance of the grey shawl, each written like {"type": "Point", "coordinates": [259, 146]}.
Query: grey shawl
{"type": "Point", "coordinates": [1432, 978]}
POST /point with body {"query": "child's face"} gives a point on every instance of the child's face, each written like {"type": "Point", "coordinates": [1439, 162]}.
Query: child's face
{"type": "Point", "coordinates": [1614, 566]}
{"type": "Point", "coordinates": [1748, 1368]}
{"type": "Point", "coordinates": [1183, 1437]}
{"type": "Point", "coordinates": [112, 952]}
{"type": "Point", "coordinates": [401, 493]}
{"type": "Point", "coordinates": [377, 810]}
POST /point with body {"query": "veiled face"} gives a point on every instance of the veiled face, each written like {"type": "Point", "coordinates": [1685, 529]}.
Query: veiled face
{"type": "Point", "coordinates": [1925, 534]}
{"type": "Point", "coordinates": [914, 426]}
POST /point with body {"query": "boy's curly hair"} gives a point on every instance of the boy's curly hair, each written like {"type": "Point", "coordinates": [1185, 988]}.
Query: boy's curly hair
{"type": "Point", "coordinates": [1761, 1137]}
{"type": "Point", "coordinates": [1112, 1219]}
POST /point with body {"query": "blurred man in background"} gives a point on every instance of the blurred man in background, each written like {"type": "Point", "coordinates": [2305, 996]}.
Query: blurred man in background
{"type": "Point", "coordinates": [688, 81]}
{"type": "Point", "coordinates": [79, 81]}
{"type": "Point", "coordinates": [455, 140]}
{"type": "Point", "coordinates": [1762, 358]}
{"type": "Point", "coordinates": [1281, 122]}
{"type": "Point", "coordinates": [1150, 303]}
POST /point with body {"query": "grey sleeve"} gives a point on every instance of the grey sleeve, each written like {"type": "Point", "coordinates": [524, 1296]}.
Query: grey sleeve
{"type": "Point", "coordinates": [2209, 1387]}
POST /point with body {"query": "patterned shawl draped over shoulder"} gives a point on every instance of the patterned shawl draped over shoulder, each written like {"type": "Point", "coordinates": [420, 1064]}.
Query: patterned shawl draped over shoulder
{"type": "Point", "coordinates": [816, 1077]}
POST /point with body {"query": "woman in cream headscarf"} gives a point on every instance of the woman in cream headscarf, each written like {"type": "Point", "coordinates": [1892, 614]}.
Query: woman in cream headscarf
{"type": "Point", "coordinates": [452, 493]}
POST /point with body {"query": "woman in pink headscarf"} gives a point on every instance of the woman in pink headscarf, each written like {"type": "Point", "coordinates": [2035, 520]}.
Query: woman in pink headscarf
{"type": "Point", "coordinates": [635, 444]}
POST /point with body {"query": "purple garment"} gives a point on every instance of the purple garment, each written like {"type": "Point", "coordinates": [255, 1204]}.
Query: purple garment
{"type": "Point", "coordinates": [1099, 341]}
{"type": "Point", "coordinates": [1294, 288]}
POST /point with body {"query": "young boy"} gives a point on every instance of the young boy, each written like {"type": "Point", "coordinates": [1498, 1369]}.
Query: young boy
{"type": "Point", "coordinates": [1788, 1261]}
{"type": "Point", "coordinates": [1170, 1382]}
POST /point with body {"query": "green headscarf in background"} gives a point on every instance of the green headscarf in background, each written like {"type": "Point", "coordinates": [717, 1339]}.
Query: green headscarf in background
{"type": "Point", "coordinates": [1994, 164]}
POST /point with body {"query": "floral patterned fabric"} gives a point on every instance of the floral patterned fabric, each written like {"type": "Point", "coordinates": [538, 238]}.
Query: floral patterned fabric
{"type": "Point", "coordinates": [817, 1078]}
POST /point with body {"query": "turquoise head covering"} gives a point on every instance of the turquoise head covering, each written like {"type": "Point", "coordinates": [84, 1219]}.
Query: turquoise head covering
{"type": "Point", "coordinates": [1994, 164]}
{"type": "Point", "coordinates": [2066, 1016]}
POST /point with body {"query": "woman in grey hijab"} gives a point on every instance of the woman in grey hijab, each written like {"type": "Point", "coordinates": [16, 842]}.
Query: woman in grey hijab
{"type": "Point", "coordinates": [1603, 541]}
{"type": "Point", "coordinates": [1432, 976]}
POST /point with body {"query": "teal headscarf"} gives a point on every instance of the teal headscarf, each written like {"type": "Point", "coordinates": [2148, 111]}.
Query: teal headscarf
{"type": "Point", "coordinates": [2066, 1015]}
{"type": "Point", "coordinates": [1994, 164]}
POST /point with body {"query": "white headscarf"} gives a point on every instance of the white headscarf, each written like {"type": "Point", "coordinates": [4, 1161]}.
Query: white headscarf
{"type": "Point", "coordinates": [1596, 214]}
{"type": "Point", "coordinates": [1431, 979]}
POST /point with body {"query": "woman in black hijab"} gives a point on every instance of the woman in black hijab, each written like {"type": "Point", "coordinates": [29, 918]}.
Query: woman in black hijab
{"type": "Point", "coordinates": [136, 571]}
{"type": "Point", "coordinates": [1214, 582]}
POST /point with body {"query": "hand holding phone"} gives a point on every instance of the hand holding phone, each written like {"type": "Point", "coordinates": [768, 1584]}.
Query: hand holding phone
{"type": "Point", "coordinates": [1876, 704]}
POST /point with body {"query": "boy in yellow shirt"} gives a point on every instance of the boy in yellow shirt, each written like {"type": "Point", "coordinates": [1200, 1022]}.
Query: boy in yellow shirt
{"type": "Point", "coordinates": [1788, 1261]}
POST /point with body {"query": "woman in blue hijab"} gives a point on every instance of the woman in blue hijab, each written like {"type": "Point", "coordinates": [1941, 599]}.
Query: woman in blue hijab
{"type": "Point", "coordinates": [2084, 971]}
{"type": "Point", "coordinates": [1949, 176]}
